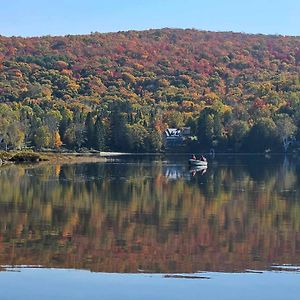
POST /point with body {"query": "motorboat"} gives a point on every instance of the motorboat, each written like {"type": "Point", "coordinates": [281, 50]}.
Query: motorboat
{"type": "Point", "coordinates": [197, 162]}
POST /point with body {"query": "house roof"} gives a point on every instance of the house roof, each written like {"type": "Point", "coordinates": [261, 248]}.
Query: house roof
{"type": "Point", "coordinates": [172, 132]}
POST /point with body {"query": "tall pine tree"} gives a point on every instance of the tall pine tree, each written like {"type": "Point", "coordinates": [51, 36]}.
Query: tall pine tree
{"type": "Point", "coordinates": [99, 134]}
{"type": "Point", "coordinates": [90, 131]}
{"type": "Point", "coordinates": [118, 123]}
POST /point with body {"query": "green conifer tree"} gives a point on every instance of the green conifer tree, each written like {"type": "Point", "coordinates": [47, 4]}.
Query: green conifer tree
{"type": "Point", "coordinates": [99, 134]}
{"type": "Point", "coordinates": [89, 129]}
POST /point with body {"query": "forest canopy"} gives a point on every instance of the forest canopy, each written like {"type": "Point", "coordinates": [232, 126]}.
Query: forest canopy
{"type": "Point", "coordinates": [120, 91]}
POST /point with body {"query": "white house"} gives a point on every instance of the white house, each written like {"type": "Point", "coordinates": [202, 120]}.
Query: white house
{"type": "Point", "coordinates": [176, 137]}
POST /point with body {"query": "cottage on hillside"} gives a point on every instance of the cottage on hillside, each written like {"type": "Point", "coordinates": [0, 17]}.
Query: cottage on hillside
{"type": "Point", "coordinates": [175, 137]}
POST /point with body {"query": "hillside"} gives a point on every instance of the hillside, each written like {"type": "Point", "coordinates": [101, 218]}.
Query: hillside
{"type": "Point", "coordinates": [162, 78]}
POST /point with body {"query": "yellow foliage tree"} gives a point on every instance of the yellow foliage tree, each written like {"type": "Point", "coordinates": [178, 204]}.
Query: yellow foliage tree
{"type": "Point", "coordinates": [57, 140]}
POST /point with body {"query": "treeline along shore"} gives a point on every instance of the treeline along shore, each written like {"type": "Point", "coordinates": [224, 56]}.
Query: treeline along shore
{"type": "Point", "coordinates": [122, 91]}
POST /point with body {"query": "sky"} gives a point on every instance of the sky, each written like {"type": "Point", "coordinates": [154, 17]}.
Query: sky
{"type": "Point", "coordinates": [62, 17]}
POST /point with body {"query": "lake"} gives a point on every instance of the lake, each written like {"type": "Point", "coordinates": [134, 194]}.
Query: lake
{"type": "Point", "coordinates": [81, 230]}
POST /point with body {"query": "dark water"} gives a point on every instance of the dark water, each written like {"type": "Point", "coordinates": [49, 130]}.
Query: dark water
{"type": "Point", "coordinates": [152, 215]}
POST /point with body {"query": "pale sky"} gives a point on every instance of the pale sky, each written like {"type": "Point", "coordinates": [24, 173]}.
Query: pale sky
{"type": "Point", "coordinates": [61, 17]}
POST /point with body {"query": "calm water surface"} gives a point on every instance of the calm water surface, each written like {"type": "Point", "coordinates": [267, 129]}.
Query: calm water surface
{"type": "Point", "coordinates": [152, 215]}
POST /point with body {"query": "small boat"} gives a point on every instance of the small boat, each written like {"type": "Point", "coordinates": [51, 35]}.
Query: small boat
{"type": "Point", "coordinates": [197, 162]}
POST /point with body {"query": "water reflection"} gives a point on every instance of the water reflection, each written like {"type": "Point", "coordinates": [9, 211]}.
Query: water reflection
{"type": "Point", "coordinates": [151, 215]}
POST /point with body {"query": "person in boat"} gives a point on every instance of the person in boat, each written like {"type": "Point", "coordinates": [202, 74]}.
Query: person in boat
{"type": "Point", "coordinates": [202, 158]}
{"type": "Point", "coordinates": [193, 157]}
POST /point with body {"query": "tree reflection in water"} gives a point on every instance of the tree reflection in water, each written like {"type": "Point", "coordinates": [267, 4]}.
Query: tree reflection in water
{"type": "Point", "coordinates": [153, 216]}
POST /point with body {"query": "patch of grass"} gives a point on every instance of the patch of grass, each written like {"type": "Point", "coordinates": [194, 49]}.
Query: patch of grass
{"type": "Point", "coordinates": [27, 157]}
{"type": "Point", "coordinates": [5, 155]}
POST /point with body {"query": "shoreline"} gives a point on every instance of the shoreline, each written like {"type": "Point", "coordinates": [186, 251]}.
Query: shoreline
{"type": "Point", "coordinates": [86, 157]}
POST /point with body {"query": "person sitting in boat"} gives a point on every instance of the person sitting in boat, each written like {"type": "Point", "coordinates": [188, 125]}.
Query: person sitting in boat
{"type": "Point", "coordinates": [194, 157]}
{"type": "Point", "coordinates": [202, 158]}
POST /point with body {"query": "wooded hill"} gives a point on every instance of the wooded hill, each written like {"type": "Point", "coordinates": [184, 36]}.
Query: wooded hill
{"type": "Point", "coordinates": [120, 91]}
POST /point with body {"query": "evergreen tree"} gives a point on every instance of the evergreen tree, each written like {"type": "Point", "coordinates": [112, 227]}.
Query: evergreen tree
{"type": "Point", "coordinates": [89, 128]}
{"type": "Point", "coordinates": [205, 130]}
{"type": "Point", "coordinates": [67, 117]}
{"type": "Point", "coordinates": [262, 136]}
{"type": "Point", "coordinates": [117, 130]}
{"type": "Point", "coordinates": [99, 134]}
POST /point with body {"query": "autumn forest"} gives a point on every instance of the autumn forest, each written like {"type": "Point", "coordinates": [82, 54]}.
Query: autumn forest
{"type": "Point", "coordinates": [120, 91]}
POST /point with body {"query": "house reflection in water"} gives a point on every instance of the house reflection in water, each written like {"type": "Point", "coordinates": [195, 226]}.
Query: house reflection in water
{"type": "Point", "coordinates": [175, 172]}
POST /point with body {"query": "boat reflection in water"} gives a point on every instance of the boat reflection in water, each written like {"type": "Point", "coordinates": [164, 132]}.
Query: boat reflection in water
{"type": "Point", "coordinates": [198, 169]}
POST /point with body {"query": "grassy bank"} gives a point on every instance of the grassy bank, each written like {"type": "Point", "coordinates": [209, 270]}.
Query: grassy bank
{"type": "Point", "coordinates": [35, 157]}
